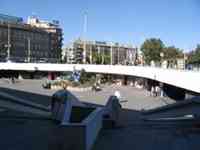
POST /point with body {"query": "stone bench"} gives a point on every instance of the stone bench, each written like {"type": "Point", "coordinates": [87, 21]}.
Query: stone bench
{"type": "Point", "coordinates": [77, 124]}
{"type": "Point", "coordinates": [80, 132]}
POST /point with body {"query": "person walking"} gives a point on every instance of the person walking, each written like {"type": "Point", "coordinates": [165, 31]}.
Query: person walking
{"type": "Point", "coordinates": [152, 91]}
{"type": "Point", "coordinates": [117, 94]}
{"type": "Point", "coordinates": [157, 91]}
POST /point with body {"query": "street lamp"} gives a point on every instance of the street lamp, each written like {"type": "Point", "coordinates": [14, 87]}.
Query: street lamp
{"type": "Point", "coordinates": [8, 45]}
{"type": "Point", "coordinates": [29, 49]}
{"type": "Point", "coordinates": [91, 54]}
{"type": "Point", "coordinates": [84, 36]}
{"type": "Point", "coordinates": [111, 54]}
{"type": "Point", "coordinates": [185, 59]}
{"type": "Point", "coordinates": [118, 55]}
{"type": "Point", "coordinates": [162, 56]}
{"type": "Point", "coordinates": [103, 55]}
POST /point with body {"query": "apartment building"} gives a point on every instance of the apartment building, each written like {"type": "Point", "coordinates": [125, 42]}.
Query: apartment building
{"type": "Point", "coordinates": [27, 42]}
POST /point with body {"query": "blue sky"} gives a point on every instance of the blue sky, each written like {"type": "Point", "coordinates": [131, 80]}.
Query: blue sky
{"type": "Point", "coordinates": [175, 22]}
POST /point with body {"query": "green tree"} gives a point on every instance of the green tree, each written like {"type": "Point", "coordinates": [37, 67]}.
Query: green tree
{"type": "Point", "coordinates": [100, 58]}
{"type": "Point", "coordinates": [194, 56]}
{"type": "Point", "coordinates": [96, 58]}
{"type": "Point", "coordinates": [83, 76]}
{"type": "Point", "coordinates": [172, 53]}
{"type": "Point", "coordinates": [106, 58]}
{"type": "Point", "coordinates": [151, 49]}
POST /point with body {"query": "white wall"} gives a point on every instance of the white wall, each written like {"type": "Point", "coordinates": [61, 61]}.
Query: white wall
{"type": "Point", "coordinates": [181, 78]}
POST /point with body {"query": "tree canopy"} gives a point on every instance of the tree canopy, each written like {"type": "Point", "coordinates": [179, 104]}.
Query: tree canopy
{"type": "Point", "coordinates": [100, 58]}
{"type": "Point", "coordinates": [151, 49]}
{"type": "Point", "coordinates": [172, 52]}
{"type": "Point", "coordinates": [194, 56]}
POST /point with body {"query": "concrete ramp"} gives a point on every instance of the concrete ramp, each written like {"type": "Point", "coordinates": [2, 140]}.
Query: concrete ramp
{"type": "Point", "coordinates": [182, 109]}
{"type": "Point", "coordinates": [10, 102]}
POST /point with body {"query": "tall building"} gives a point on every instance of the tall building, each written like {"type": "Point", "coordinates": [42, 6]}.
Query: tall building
{"type": "Point", "coordinates": [55, 34]}
{"type": "Point", "coordinates": [10, 19]}
{"type": "Point", "coordinates": [27, 42]}
{"type": "Point", "coordinates": [100, 52]}
{"type": "Point", "coordinates": [73, 54]}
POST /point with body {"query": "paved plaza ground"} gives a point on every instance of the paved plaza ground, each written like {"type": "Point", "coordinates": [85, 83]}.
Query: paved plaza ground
{"type": "Point", "coordinates": [131, 133]}
{"type": "Point", "coordinates": [136, 99]}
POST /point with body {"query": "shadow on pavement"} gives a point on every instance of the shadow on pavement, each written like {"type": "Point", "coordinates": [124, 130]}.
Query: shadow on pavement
{"type": "Point", "coordinates": [130, 133]}
{"type": "Point", "coordinates": [37, 98]}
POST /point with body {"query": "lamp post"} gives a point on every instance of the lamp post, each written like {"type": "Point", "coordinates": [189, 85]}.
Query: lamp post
{"type": "Point", "coordinates": [111, 54]}
{"type": "Point", "coordinates": [29, 49]}
{"type": "Point", "coordinates": [103, 55]}
{"type": "Point", "coordinates": [91, 54]}
{"type": "Point", "coordinates": [185, 59]}
{"type": "Point", "coordinates": [118, 55]}
{"type": "Point", "coordinates": [84, 37]}
{"type": "Point", "coordinates": [161, 55]}
{"type": "Point", "coordinates": [8, 45]}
